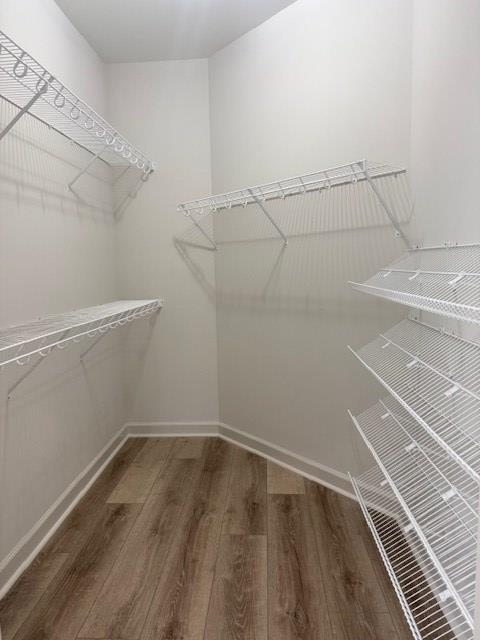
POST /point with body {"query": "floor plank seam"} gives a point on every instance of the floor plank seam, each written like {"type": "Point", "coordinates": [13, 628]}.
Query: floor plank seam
{"type": "Point", "coordinates": [227, 494]}
{"type": "Point", "coordinates": [198, 472]}
{"type": "Point", "coordinates": [126, 537]}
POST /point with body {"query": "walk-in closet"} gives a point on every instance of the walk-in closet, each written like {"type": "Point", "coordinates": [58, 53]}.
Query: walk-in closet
{"type": "Point", "coordinates": [239, 319]}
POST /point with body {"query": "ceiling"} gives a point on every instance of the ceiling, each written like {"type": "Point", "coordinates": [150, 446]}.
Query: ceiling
{"type": "Point", "coordinates": [143, 30]}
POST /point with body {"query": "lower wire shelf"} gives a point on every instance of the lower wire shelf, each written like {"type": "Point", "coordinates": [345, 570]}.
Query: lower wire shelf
{"type": "Point", "coordinates": [431, 611]}
{"type": "Point", "coordinates": [21, 342]}
{"type": "Point", "coordinates": [438, 496]}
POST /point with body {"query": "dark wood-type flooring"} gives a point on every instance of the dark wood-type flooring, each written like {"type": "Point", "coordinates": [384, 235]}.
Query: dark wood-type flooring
{"type": "Point", "coordinates": [196, 539]}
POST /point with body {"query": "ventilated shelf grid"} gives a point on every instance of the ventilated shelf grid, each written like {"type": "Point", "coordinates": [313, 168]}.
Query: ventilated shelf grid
{"type": "Point", "coordinates": [26, 83]}
{"type": "Point", "coordinates": [430, 609]}
{"type": "Point", "coordinates": [20, 342]}
{"type": "Point", "coordinates": [285, 188]}
{"type": "Point", "coordinates": [443, 280]}
{"type": "Point", "coordinates": [434, 376]}
{"type": "Point", "coordinates": [438, 496]}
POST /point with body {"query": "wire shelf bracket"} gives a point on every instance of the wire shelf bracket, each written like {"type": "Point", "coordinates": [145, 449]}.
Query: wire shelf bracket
{"type": "Point", "coordinates": [261, 195]}
{"type": "Point", "coordinates": [27, 85]}
{"type": "Point", "coordinates": [263, 208]}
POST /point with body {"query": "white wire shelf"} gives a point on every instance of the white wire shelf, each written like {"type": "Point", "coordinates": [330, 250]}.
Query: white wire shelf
{"type": "Point", "coordinates": [438, 496]}
{"type": "Point", "coordinates": [19, 343]}
{"type": "Point", "coordinates": [25, 83]}
{"type": "Point", "coordinates": [434, 375]}
{"type": "Point", "coordinates": [261, 195]}
{"type": "Point", "coordinates": [444, 280]}
{"type": "Point", "coordinates": [431, 611]}
{"type": "Point", "coordinates": [280, 189]}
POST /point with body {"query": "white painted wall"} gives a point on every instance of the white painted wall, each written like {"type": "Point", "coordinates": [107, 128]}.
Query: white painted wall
{"type": "Point", "coordinates": [164, 107]}
{"type": "Point", "coordinates": [45, 32]}
{"type": "Point", "coordinates": [445, 160]}
{"type": "Point", "coordinates": [319, 84]}
{"type": "Point", "coordinates": [56, 254]}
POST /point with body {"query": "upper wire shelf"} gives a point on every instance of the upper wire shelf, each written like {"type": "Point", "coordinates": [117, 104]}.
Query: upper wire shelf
{"type": "Point", "coordinates": [280, 189]}
{"type": "Point", "coordinates": [19, 343]}
{"type": "Point", "coordinates": [425, 597]}
{"type": "Point", "coordinates": [444, 280]}
{"type": "Point", "coordinates": [261, 195]}
{"type": "Point", "coordinates": [25, 83]}
{"type": "Point", "coordinates": [435, 376]}
{"type": "Point", "coordinates": [438, 496]}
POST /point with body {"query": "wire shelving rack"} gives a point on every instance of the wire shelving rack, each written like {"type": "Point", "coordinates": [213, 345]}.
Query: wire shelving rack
{"type": "Point", "coordinates": [21, 342]}
{"type": "Point", "coordinates": [425, 437]}
{"type": "Point", "coordinates": [443, 280]}
{"type": "Point", "coordinates": [28, 85]}
{"type": "Point", "coordinates": [262, 195]}
{"type": "Point", "coordinates": [431, 611]}
{"type": "Point", "coordinates": [438, 496]}
{"type": "Point", "coordinates": [430, 373]}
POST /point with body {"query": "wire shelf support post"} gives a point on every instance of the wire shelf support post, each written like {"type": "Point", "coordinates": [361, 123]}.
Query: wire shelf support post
{"type": "Point", "coordinates": [390, 214]}
{"type": "Point", "coordinates": [265, 211]}
{"type": "Point", "coordinates": [41, 89]}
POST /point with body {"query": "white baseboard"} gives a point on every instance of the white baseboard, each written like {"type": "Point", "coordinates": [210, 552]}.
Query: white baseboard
{"type": "Point", "coordinates": [171, 429]}
{"type": "Point", "coordinates": [30, 545]}
{"type": "Point", "coordinates": [326, 476]}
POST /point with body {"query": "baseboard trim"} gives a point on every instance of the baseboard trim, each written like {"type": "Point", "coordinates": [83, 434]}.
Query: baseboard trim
{"type": "Point", "coordinates": [169, 429]}
{"type": "Point", "coordinates": [30, 545]}
{"type": "Point", "coordinates": [326, 476]}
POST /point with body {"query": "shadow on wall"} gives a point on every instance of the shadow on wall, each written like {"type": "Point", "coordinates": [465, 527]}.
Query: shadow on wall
{"type": "Point", "coordinates": [66, 403]}
{"type": "Point", "coordinates": [333, 236]}
{"type": "Point", "coordinates": [38, 164]}
{"type": "Point", "coordinates": [57, 253]}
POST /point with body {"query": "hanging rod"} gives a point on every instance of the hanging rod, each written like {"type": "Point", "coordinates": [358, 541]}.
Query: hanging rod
{"type": "Point", "coordinates": [28, 85]}
{"type": "Point", "coordinates": [19, 343]}
{"type": "Point", "coordinates": [424, 595]}
{"type": "Point", "coordinates": [261, 195]}
{"type": "Point", "coordinates": [434, 376]}
{"type": "Point", "coordinates": [444, 280]}
{"type": "Point", "coordinates": [438, 496]}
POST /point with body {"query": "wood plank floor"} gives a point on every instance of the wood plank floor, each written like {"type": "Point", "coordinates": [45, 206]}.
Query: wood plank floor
{"type": "Point", "coordinates": [196, 539]}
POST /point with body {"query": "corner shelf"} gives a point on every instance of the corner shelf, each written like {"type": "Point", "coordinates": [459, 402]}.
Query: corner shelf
{"type": "Point", "coordinates": [432, 374]}
{"type": "Point", "coordinates": [19, 343]}
{"type": "Point", "coordinates": [439, 498]}
{"type": "Point", "coordinates": [27, 85]}
{"type": "Point", "coordinates": [443, 280]}
{"type": "Point", "coordinates": [425, 597]}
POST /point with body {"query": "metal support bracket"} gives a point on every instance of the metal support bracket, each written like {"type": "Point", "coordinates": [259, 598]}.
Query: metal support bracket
{"type": "Point", "coordinates": [42, 87]}
{"type": "Point", "coordinates": [263, 208]}
{"type": "Point", "coordinates": [203, 232]}
{"type": "Point", "coordinates": [88, 165]}
{"type": "Point", "coordinates": [93, 344]}
{"type": "Point", "coordinates": [390, 214]}
{"type": "Point", "coordinates": [34, 366]}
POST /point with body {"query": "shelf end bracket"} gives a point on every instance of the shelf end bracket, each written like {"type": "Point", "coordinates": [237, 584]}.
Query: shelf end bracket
{"type": "Point", "coordinates": [42, 87]}
{"type": "Point", "coordinates": [385, 206]}
{"type": "Point", "coordinates": [264, 209]}
{"type": "Point", "coordinates": [202, 231]}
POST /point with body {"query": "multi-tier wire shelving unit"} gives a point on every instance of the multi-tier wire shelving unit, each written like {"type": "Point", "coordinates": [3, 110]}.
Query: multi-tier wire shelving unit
{"type": "Point", "coordinates": [421, 500]}
{"type": "Point", "coordinates": [33, 90]}
{"type": "Point", "coordinates": [262, 195]}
